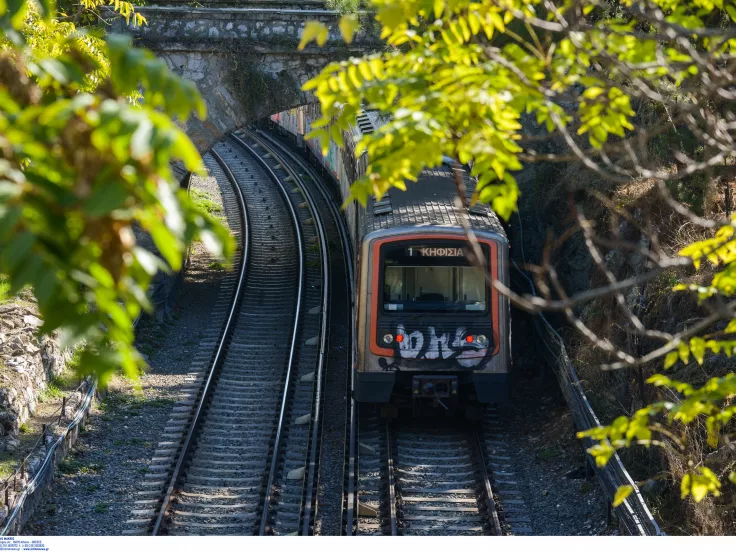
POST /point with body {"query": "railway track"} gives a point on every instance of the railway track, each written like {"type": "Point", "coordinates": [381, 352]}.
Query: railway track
{"type": "Point", "coordinates": [422, 479]}
{"type": "Point", "coordinates": [237, 459]}
{"type": "Point", "coordinates": [338, 437]}
{"type": "Point", "coordinates": [377, 499]}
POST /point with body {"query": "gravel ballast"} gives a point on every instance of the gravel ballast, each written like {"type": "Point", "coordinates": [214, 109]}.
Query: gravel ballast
{"type": "Point", "coordinates": [549, 462]}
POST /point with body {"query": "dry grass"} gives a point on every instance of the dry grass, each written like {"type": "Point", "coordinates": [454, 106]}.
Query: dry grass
{"type": "Point", "coordinates": [618, 393]}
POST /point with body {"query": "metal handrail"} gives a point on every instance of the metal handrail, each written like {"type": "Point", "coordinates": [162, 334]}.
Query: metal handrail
{"type": "Point", "coordinates": [31, 486]}
{"type": "Point", "coordinates": [633, 512]}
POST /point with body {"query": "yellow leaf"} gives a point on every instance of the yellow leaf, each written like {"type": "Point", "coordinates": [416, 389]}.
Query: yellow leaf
{"type": "Point", "coordinates": [348, 25]}
{"type": "Point", "coordinates": [697, 346]}
{"type": "Point", "coordinates": [313, 30]}
{"type": "Point", "coordinates": [731, 328]}
{"type": "Point", "coordinates": [731, 12]}
{"type": "Point", "coordinates": [621, 494]}
{"type": "Point", "coordinates": [698, 489]}
{"type": "Point", "coordinates": [593, 92]}
{"type": "Point", "coordinates": [670, 360]}
{"type": "Point", "coordinates": [497, 21]}
{"type": "Point", "coordinates": [713, 439]}
{"type": "Point", "coordinates": [685, 486]}
{"type": "Point", "coordinates": [684, 353]}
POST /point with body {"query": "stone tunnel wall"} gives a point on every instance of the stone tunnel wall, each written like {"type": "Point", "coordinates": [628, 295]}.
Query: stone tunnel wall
{"type": "Point", "coordinates": [244, 61]}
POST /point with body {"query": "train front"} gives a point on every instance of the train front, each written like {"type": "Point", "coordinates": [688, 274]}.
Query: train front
{"type": "Point", "coordinates": [432, 329]}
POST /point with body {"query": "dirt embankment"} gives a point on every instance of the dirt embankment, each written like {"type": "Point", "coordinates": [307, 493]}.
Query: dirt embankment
{"type": "Point", "coordinates": [628, 221]}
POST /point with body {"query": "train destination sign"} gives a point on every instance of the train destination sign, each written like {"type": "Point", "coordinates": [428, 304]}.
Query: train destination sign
{"type": "Point", "coordinates": [436, 251]}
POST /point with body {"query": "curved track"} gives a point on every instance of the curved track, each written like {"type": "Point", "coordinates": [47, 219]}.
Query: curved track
{"type": "Point", "coordinates": [233, 469]}
{"type": "Point", "coordinates": [338, 442]}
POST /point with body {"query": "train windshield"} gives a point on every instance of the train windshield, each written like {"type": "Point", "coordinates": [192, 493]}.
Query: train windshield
{"type": "Point", "coordinates": [432, 277]}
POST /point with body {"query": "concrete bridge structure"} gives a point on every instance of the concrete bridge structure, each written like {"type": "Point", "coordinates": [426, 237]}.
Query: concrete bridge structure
{"type": "Point", "coordinates": [242, 55]}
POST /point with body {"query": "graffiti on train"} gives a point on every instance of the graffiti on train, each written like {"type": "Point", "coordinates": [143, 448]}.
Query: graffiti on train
{"type": "Point", "coordinates": [427, 345]}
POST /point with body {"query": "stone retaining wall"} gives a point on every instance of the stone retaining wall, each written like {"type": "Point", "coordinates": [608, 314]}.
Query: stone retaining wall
{"type": "Point", "coordinates": [27, 364]}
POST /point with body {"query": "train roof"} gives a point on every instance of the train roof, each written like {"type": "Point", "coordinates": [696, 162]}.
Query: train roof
{"type": "Point", "coordinates": [429, 201]}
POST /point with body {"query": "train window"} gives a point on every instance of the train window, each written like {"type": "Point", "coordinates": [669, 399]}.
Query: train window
{"type": "Point", "coordinates": [432, 277]}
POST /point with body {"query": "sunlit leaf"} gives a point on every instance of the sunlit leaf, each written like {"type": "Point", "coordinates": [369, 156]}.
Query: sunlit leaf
{"type": "Point", "coordinates": [622, 494]}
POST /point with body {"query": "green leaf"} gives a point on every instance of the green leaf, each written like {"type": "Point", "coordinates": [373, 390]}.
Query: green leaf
{"type": "Point", "coordinates": [731, 10]}
{"type": "Point", "coordinates": [213, 245]}
{"type": "Point", "coordinates": [48, 8]}
{"type": "Point", "coordinates": [46, 286]}
{"type": "Point", "coordinates": [105, 199]}
{"type": "Point", "coordinates": [140, 142]}
{"type": "Point", "coordinates": [698, 484]}
{"type": "Point", "coordinates": [16, 11]}
{"type": "Point", "coordinates": [15, 252]}
{"type": "Point", "coordinates": [150, 262]}
{"type": "Point", "coordinates": [9, 217]}
{"type": "Point", "coordinates": [622, 494]}
{"type": "Point", "coordinates": [685, 486]}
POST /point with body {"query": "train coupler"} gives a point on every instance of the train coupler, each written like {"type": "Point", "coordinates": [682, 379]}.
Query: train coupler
{"type": "Point", "coordinates": [434, 387]}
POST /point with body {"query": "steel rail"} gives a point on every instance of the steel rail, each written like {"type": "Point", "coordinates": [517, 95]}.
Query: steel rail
{"type": "Point", "coordinates": [297, 318]}
{"type": "Point", "coordinates": [308, 495]}
{"type": "Point", "coordinates": [391, 483]}
{"type": "Point", "coordinates": [349, 501]}
{"type": "Point", "coordinates": [488, 490]}
{"type": "Point", "coordinates": [208, 387]}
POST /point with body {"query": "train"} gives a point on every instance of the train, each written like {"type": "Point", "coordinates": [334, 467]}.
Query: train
{"type": "Point", "coordinates": [431, 331]}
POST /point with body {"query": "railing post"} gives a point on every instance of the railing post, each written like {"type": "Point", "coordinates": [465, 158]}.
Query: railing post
{"type": "Point", "coordinates": [63, 409]}
{"type": "Point", "coordinates": [7, 494]}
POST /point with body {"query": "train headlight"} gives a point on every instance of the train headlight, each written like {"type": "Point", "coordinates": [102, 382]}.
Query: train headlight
{"type": "Point", "coordinates": [481, 340]}
{"type": "Point", "coordinates": [468, 338]}
{"type": "Point", "coordinates": [388, 339]}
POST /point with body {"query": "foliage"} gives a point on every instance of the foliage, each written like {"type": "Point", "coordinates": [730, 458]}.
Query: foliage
{"type": "Point", "coordinates": [204, 202]}
{"type": "Point", "coordinates": [343, 6]}
{"type": "Point", "coordinates": [4, 288]}
{"type": "Point", "coordinates": [459, 76]}
{"type": "Point", "coordinates": [80, 167]}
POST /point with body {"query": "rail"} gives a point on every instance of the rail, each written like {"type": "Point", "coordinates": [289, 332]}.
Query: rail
{"type": "Point", "coordinates": [319, 375]}
{"type": "Point", "coordinates": [287, 381]}
{"type": "Point", "coordinates": [350, 490]}
{"type": "Point", "coordinates": [391, 484]}
{"type": "Point", "coordinates": [208, 387]}
{"type": "Point", "coordinates": [487, 488]}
